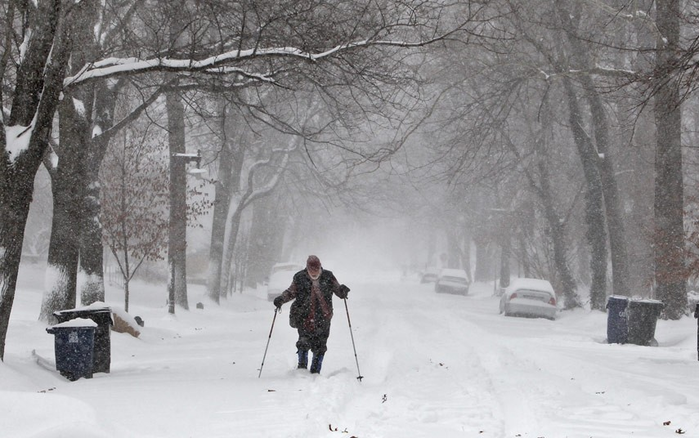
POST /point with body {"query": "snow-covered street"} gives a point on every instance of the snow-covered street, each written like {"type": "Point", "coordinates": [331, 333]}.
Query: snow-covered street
{"type": "Point", "coordinates": [434, 365]}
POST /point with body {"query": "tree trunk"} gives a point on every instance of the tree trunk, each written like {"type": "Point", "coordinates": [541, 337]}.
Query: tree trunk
{"type": "Point", "coordinates": [218, 234]}
{"type": "Point", "coordinates": [505, 254]}
{"type": "Point", "coordinates": [126, 294]}
{"type": "Point", "coordinates": [453, 248]}
{"type": "Point", "coordinates": [126, 266]}
{"type": "Point", "coordinates": [229, 168]}
{"type": "Point", "coordinates": [669, 186]}
{"type": "Point", "coordinates": [524, 258]}
{"type": "Point", "coordinates": [67, 183]}
{"type": "Point", "coordinates": [232, 228]}
{"type": "Point", "coordinates": [615, 219]}
{"type": "Point", "coordinates": [557, 228]}
{"type": "Point", "coordinates": [62, 270]}
{"type": "Point", "coordinates": [266, 238]}
{"type": "Point", "coordinates": [594, 205]}
{"type": "Point", "coordinates": [467, 253]}
{"type": "Point", "coordinates": [526, 224]}
{"type": "Point", "coordinates": [604, 160]}
{"type": "Point", "coordinates": [36, 95]}
{"type": "Point", "coordinates": [16, 187]}
{"type": "Point", "coordinates": [431, 247]}
{"type": "Point", "coordinates": [69, 178]}
{"type": "Point", "coordinates": [177, 235]}
{"type": "Point", "coordinates": [484, 267]}
{"type": "Point", "coordinates": [91, 249]}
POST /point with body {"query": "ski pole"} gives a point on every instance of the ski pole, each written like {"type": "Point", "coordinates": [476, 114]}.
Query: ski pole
{"type": "Point", "coordinates": [268, 339]}
{"type": "Point", "coordinates": [359, 373]}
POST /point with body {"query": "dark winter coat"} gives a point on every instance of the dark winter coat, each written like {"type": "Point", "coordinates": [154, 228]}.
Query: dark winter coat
{"type": "Point", "coordinates": [311, 314]}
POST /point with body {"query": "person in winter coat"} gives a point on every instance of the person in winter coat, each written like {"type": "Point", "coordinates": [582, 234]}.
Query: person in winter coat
{"type": "Point", "coordinates": [312, 290]}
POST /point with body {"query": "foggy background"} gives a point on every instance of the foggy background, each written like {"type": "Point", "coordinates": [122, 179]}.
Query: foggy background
{"type": "Point", "coordinates": [538, 139]}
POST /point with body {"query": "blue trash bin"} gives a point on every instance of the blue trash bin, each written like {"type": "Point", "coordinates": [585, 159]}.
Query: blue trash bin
{"type": "Point", "coordinates": [102, 316]}
{"type": "Point", "coordinates": [643, 316]}
{"type": "Point", "coordinates": [617, 322]}
{"type": "Point", "coordinates": [74, 342]}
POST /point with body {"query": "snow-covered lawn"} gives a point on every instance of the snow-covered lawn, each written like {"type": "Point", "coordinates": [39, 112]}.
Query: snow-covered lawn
{"type": "Point", "coordinates": [434, 365]}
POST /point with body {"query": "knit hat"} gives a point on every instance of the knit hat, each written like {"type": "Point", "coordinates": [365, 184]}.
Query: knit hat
{"type": "Point", "coordinates": [313, 263]}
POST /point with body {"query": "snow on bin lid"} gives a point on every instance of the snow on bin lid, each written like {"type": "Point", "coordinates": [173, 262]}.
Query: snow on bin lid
{"type": "Point", "coordinates": [646, 300]}
{"type": "Point", "coordinates": [618, 297]}
{"type": "Point", "coordinates": [97, 305]}
{"type": "Point", "coordinates": [77, 322]}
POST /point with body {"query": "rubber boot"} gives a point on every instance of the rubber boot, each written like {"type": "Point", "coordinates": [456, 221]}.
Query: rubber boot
{"type": "Point", "coordinates": [317, 363]}
{"type": "Point", "coordinates": [303, 359]}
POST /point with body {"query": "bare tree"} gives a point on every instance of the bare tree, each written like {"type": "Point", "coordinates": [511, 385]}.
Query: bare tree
{"type": "Point", "coordinates": [601, 156]}
{"type": "Point", "coordinates": [135, 201]}
{"type": "Point", "coordinates": [258, 173]}
{"type": "Point", "coordinates": [36, 48]}
{"type": "Point", "coordinates": [281, 46]}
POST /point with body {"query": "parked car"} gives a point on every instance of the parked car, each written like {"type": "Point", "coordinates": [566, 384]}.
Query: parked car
{"type": "Point", "coordinates": [529, 297]}
{"type": "Point", "coordinates": [430, 275]}
{"type": "Point", "coordinates": [453, 281]}
{"type": "Point", "coordinates": [280, 278]}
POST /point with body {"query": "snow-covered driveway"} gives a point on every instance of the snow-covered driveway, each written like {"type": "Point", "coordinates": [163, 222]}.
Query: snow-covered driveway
{"type": "Point", "coordinates": [434, 365]}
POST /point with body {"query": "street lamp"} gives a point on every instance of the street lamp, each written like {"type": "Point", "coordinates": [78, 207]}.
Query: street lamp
{"type": "Point", "coordinates": [177, 229]}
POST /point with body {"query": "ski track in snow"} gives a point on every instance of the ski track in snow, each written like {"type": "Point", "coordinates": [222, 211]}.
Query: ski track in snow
{"type": "Point", "coordinates": [434, 365]}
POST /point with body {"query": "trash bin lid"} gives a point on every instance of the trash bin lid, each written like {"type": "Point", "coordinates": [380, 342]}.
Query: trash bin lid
{"type": "Point", "coordinates": [617, 297]}
{"type": "Point", "coordinates": [97, 309]}
{"type": "Point", "coordinates": [76, 322]}
{"type": "Point", "coordinates": [617, 301]}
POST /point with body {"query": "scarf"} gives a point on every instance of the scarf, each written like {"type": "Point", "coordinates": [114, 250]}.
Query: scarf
{"type": "Point", "coordinates": [317, 296]}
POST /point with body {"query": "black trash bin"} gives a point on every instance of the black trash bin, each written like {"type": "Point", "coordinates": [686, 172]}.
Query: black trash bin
{"type": "Point", "coordinates": [102, 356]}
{"type": "Point", "coordinates": [617, 323]}
{"type": "Point", "coordinates": [643, 316]}
{"type": "Point", "coordinates": [74, 344]}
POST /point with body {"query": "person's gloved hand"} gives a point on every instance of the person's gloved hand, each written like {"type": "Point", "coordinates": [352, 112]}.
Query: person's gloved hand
{"type": "Point", "coordinates": [344, 291]}
{"type": "Point", "coordinates": [278, 302]}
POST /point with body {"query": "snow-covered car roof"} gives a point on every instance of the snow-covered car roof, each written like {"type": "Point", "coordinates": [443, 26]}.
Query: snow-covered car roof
{"type": "Point", "coordinates": [459, 273]}
{"type": "Point", "coordinates": [530, 283]}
